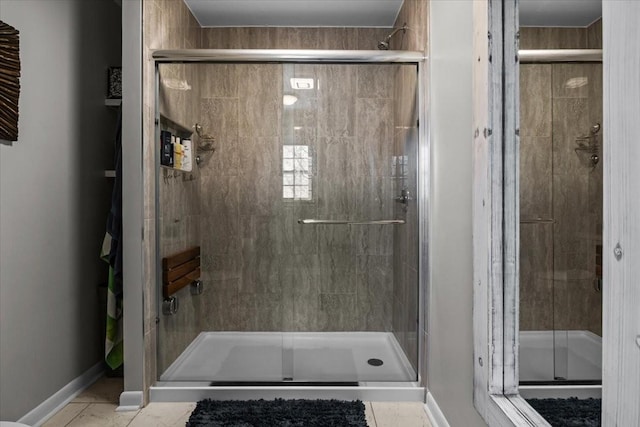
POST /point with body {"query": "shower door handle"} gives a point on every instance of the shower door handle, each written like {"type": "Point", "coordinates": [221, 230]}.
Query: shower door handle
{"type": "Point", "coordinates": [346, 222]}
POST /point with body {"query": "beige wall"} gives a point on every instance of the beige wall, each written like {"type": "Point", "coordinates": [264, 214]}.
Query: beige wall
{"type": "Point", "coordinates": [558, 260]}
{"type": "Point", "coordinates": [55, 200]}
{"type": "Point", "coordinates": [450, 358]}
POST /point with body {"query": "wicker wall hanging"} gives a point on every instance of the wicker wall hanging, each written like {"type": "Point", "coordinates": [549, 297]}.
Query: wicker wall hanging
{"type": "Point", "coordinates": [9, 81]}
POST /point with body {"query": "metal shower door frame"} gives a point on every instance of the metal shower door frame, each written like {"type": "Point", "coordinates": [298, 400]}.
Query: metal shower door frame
{"type": "Point", "coordinates": [318, 56]}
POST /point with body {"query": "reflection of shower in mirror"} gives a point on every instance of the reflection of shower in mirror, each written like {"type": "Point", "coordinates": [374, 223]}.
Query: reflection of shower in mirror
{"type": "Point", "coordinates": [588, 147]}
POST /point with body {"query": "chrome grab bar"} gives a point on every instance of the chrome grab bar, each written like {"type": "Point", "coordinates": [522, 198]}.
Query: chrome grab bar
{"type": "Point", "coordinates": [346, 222]}
{"type": "Point", "coordinates": [537, 221]}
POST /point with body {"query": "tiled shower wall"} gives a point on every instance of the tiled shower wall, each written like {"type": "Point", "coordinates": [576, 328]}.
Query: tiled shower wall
{"type": "Point", "coordinates": [263, 270]}
{"type": "Point", "coordinates": [167, 24]}
{"type": "Point", "coordinates": [559, 103]}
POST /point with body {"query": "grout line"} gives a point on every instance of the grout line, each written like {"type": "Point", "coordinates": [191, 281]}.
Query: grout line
{"type": "Point", "coordinates": [77, 415]}
{"type": "Point", "coordinates": [134, 417]}
{"type": "Point", "coordinates": [373, 414]}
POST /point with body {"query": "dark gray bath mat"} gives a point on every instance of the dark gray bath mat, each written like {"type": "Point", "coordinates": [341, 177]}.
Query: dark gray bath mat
{"type": "Point", "coordinates": [572, 412]}
{"type": "Point", "coordinates": [277, 413]}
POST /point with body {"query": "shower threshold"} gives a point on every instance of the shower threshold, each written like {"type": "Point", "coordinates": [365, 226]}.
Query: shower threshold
{"type": "Point", "coordinates": [267, 365]}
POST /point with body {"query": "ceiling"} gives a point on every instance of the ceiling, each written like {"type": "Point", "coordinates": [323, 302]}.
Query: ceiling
{"type": "Point", "coordinates": [368, 13]}
{"type": "Point", "coordinates": [559, 13]}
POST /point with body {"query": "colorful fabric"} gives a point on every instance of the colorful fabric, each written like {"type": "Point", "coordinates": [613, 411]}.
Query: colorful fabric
{"type": "Point", "coordinates": [113, 353]}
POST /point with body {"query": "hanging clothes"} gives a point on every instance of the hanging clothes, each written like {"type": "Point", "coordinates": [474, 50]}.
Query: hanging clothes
{"type": "Point", "coordinates": [112, 254]}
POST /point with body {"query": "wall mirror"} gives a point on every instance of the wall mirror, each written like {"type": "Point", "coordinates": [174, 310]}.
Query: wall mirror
{"type": "Point", "coordinates": [561, 208]}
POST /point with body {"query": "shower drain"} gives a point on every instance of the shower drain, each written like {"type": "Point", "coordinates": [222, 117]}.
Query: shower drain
{"type": "Point", "coordinates": [375, 362]}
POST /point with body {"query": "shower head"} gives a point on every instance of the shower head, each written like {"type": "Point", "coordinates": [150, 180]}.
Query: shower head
{"type": "Point", "coordinates": [384, 44]}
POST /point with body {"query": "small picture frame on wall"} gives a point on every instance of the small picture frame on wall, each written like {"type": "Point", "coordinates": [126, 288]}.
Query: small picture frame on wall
{"type": "Point", "coordinates": [9, 81]}
{"type": "Point", "coordinates": [114, 83]}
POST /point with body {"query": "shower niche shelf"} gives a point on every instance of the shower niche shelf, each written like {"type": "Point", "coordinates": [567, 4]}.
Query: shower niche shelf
{"type": "Point", "coordinates": [166, 123]}
{"type": "Point", "coordinates": [178, 130]}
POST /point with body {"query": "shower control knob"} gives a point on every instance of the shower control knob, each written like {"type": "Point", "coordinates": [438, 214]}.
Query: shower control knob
{"type": "Point", "coordinates": [404, 197]}
{"type": "Point", "coordinates": [170, 306]}
{"type": "Point", "coordinates": [196, 287]}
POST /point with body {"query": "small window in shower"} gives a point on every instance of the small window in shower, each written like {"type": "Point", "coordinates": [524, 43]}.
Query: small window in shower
{"type": "Point", "coordinates": [296, 172]}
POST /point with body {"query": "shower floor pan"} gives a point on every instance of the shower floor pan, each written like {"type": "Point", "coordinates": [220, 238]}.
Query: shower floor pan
{"type": "Point", "coordinates": [242, 365]}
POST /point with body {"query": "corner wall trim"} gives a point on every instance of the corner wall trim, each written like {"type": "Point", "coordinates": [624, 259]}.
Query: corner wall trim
{"type": "Point", "coordinates": [435, 415]}
{"type": "Point", "coordinates": [130, 401]}
{"type": "Point", "coordinates": [66, 394]}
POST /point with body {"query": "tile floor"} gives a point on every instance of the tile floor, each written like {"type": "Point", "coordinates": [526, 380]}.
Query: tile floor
{"type": "Point", "coordinates": [96, 407]}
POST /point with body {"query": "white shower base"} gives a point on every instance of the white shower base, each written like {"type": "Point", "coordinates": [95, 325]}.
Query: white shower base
{"type": "Point", "coordinates": [582, 355]}
{"type": "Point", "coordinates": [251, 358]}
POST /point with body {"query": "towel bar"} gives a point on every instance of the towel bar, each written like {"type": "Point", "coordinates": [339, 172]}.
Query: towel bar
{"type": "Point", "coordinates": [346, 222]}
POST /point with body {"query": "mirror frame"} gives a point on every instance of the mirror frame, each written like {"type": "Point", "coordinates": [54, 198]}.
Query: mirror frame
{"type": "Point", "coordinates": [496, 216]}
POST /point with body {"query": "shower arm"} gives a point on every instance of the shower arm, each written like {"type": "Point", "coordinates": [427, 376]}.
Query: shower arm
{"type": "Point", "coordinates": [384, 44]}
{"type": "Point", "coordinates": [393, 33]}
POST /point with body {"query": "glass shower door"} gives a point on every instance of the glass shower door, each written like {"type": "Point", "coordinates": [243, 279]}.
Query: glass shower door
{"type": "Point", "coordinates": [577, 196]}
{"type": "Point", "coordinates": [284, 299]}
{"type": "Point", "coordinates": [561, 222]}
{"type": "Point", "coordinates": [348, 135]}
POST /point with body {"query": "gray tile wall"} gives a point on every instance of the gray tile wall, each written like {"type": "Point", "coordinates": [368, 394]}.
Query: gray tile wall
{"type": "Point", "coordinates": [292, 38]}
{"type": "Point", "coordinates": [552, 38]}
{"type": "Point", "coordinates": [415, 14]}
{"type": "Point", "coordinates": [562, 38]}
{"type": "Point", "coordinates": [275, 274]}
{"type": "Point", "coordinates": [168, 24]}
{"type": "Point", "coordinates": [179, 215]}
{"type": "Point", "coordinates": [559, 103]}
{"type": "Point", "coordinates": [594, 35]}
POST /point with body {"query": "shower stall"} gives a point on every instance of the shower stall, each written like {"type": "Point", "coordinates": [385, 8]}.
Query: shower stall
{"type": "Point", "coordinates": [302, 207]}
{"type": "Point", "coordinates": [560, 221]}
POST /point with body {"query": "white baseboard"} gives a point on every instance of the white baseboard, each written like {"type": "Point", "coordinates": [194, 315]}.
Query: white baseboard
{"type": "Point", "coordinates": [130, 401]}
{"type": "Point", "coordinates": [66, 394]}
{"type": "Point", "coordinates": [435, 415]}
